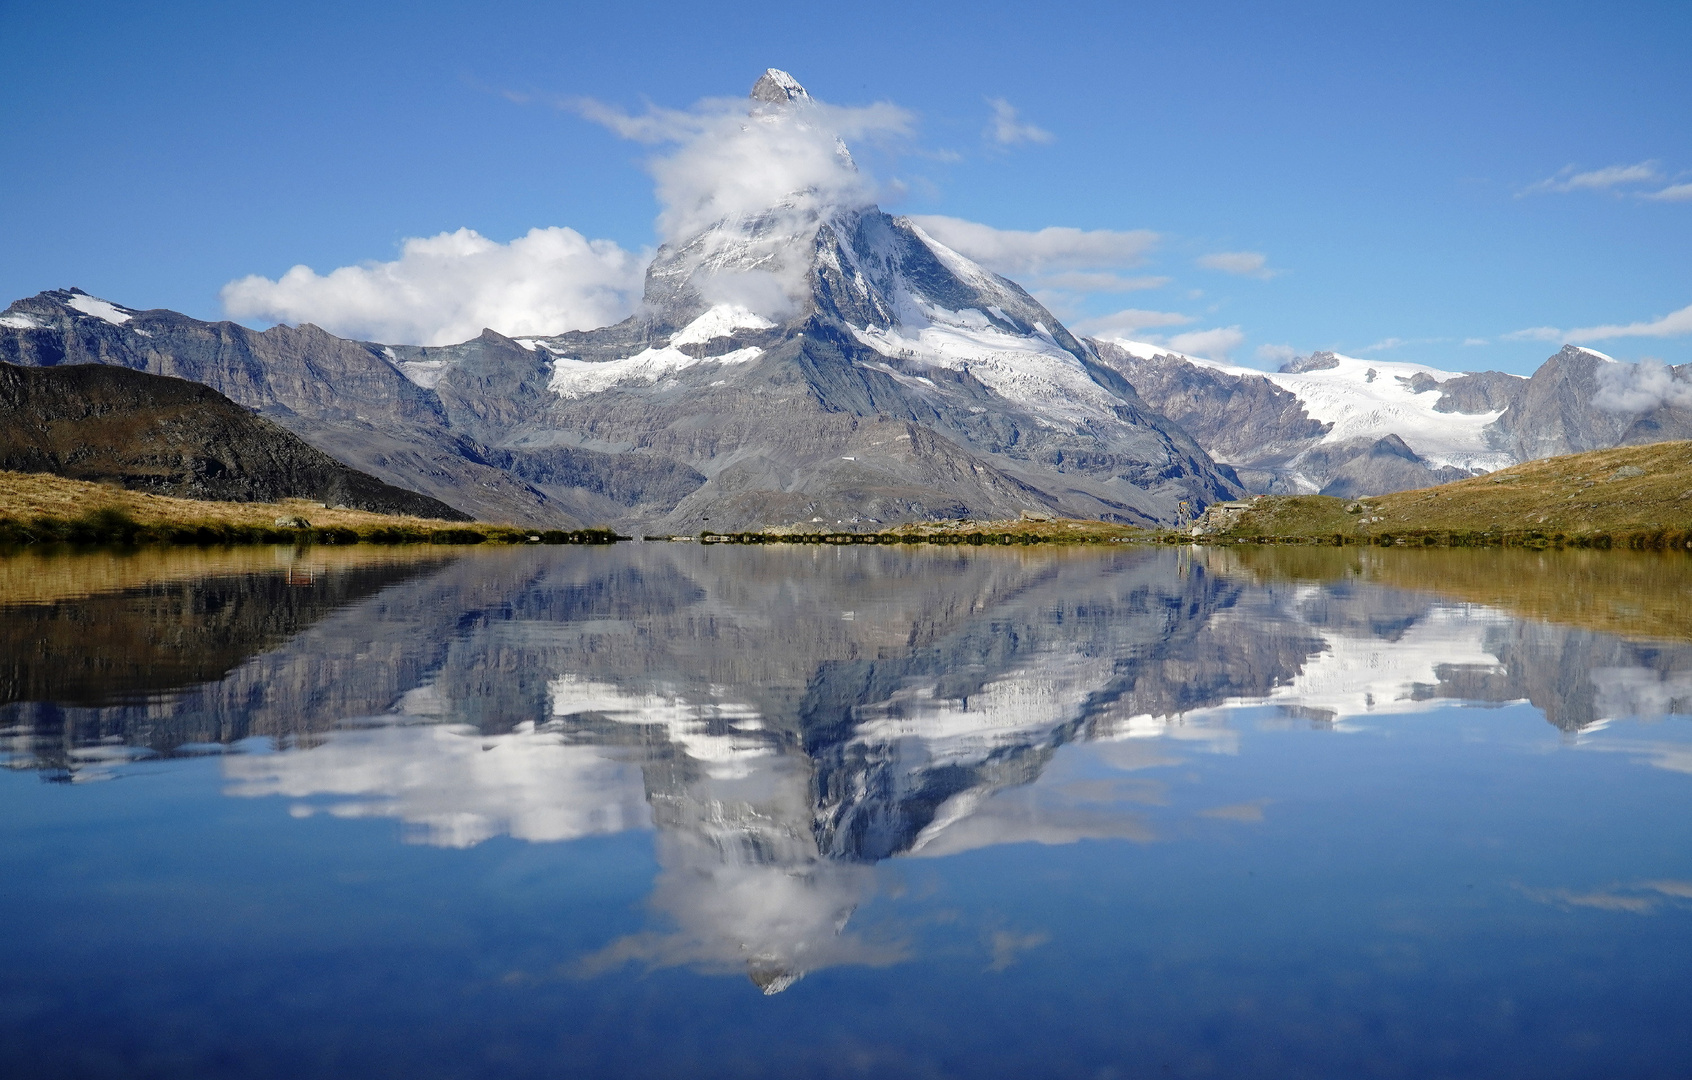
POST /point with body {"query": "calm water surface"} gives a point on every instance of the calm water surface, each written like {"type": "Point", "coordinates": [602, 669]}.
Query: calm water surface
{"type": "Point", "coordinates": [660, 810]}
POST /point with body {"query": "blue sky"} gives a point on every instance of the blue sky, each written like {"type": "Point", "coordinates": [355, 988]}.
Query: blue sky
{"type": "Point", "coordinates": [1430, 174]}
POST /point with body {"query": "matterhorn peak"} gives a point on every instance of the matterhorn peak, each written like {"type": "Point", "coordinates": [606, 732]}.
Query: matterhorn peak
{"type": "Point", "coordinates": [777, 87]}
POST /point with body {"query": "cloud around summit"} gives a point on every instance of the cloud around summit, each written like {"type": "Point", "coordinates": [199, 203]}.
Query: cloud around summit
{"type": "Point", "coordinates": [728, 157]}
{"type": "Point", "coordinates": [721, 158]}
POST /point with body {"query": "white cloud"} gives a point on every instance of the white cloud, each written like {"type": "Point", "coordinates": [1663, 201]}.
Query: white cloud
{"type": "Point", "coordinates": [1383, 344]}
{"type": "Point", "coordinates": [1276, 354]}
{"type": "Point", "coordinates": [1213, 344]}
{"type": "Point", "coordinates": [1127, 323]}
{"type": "Point", "coordinates": [1053, 249]}
{"type": "Point", "coordinates": [1673, 193]}
{"type": "Point", "coordinates": [1567, 179]}
{"type": "Point", "coordinates": [726, 159]}
{"type": "Point", "coordinates": [457, 785]}
{"type": "Point", "coordinates": [733, 158]}
{"type": "Point", "coordinates": [1673, 324]}
{"type": "Point", "coordinates": [1534, 333]}
{"type": "Point", "coordinates": [447, 288]}
{"type": "Point", "coordinates": [1475, 341]}
{"type": "Point", "coordinates": [1641, 387]}
{"type": "Point", "coordinates": [1244, 263]}
{"type": "Point", "coordinates": [1007, 129]}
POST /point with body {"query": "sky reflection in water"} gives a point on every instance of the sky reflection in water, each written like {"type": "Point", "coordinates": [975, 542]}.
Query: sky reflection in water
{"type": "Point", "coordinates": [1038, 812]}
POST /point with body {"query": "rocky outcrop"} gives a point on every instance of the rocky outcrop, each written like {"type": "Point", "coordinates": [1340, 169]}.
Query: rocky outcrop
{"type": "Point", "coordinates": [169, 436]}
{"type": "Point", "coordinates": [1356, 469]}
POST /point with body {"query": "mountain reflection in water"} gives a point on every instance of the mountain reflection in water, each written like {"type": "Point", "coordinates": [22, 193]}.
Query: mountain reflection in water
{"type": "Point", "coordinates": [784, 718]}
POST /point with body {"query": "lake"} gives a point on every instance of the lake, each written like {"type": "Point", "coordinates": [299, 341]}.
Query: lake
{"type": "Point", "coordinates": [664, 810]}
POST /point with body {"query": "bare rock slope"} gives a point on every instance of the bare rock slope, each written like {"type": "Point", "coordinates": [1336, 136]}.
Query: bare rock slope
{"type": "Point", "coordinates": [172, 437]}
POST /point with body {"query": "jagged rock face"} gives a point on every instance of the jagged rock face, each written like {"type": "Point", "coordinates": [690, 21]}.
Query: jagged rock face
{"type": "Point", "coordinates": [1562, 410]}
{"type": "Point", "coordinates": [172, 437]}
{"type": "Point", "coordinates": [803, 363]}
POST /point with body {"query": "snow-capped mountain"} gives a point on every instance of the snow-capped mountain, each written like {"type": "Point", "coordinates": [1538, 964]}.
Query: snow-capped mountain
{"type": "Point", "coordinates": [813, 360]}
{"type": "Point", "coordinates": [1346, 426]}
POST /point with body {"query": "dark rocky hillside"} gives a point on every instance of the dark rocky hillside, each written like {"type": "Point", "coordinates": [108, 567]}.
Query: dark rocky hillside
{"type": "Point", "coordinates": [172, 437]}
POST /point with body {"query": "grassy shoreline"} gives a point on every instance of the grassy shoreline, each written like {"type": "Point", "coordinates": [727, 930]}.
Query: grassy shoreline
{"type": "Point", "coordinates": [39, 508]}
{"type": "Point", "coordinates": [1637, 498]}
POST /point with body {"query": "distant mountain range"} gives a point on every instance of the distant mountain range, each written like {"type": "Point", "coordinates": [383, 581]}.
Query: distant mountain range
{"type": "Point", "coordinates": [1343, 426]}
{"type": "Point", "coordinates": [896, 380]}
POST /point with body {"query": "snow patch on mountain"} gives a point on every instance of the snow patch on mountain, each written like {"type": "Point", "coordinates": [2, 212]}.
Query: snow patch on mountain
{"type": "Point", "coordinates": [1030, 371]}
{"type": "Point", "coordinates": [100, 309]}
{"type": "Point", "coordinates": [573, 378]}
{"type": "Point", "coordinates": [425, 373]}
{"type": "Point", "coordinates": [720, 321]}
{"type": "Point", "coordinates": [21, 321]}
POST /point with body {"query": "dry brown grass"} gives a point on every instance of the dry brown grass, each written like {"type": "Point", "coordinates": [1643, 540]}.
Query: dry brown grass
{"type": "Point", "coordinates": [1578, 493]}
{"type": "Point", "coordinates": [1628, 492]}
{"type": "Point", "coordinates": [29, 495]}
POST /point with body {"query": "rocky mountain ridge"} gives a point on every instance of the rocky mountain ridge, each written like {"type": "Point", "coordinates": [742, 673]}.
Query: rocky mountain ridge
{"type": "Point", "coordinates": [169, 436]}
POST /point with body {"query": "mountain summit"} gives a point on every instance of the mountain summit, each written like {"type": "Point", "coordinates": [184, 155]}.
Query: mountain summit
{"type": "Point", "coordinates": [777, 87]}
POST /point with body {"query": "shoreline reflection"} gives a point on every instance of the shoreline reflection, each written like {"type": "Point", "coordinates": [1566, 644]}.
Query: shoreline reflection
{"type": "Point", "coordinates": [784, 719]}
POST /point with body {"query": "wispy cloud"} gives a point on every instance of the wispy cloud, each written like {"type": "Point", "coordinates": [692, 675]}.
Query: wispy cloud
{"type": "Point", "coordinates": [1469, 341]}
{"type": "Point", "coordinates": [1215, 344]}
{"type": "Point", "coordinates": [1275, 354]}
{"type": "Point", "coordinates": [1639, 898]}
{"type": "Point", "coordinates": [1007, 128]}
{"type": "Point", "coordinates": [1384, 344]}
{"type": "Point", "coordinates": [1129, 322]}
{"type": "Point", "coordinates": [1243, 263]}
{"type": "Point", "coordinates": [1090, 282]}
{"type": "Point", "coordinates": [1054, 249]}
{"type": "Point", "coordinates": [1673, 324]}
{"type": "Point", "coordinates": [1534, 333]}
{"type": "Point", "coordinates": [1673, 193]}
{"type": "Point", "coordinates": [1569, 179]}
